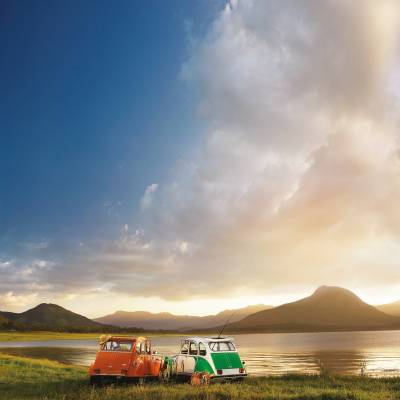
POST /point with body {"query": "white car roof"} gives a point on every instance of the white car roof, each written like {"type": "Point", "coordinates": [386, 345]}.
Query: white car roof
{"type": "Point", "coordinates": [208, 339]}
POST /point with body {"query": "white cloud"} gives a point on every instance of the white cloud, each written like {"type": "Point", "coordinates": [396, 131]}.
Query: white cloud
{"type": "Point", "coordinates": [147, 198]}
{"type": "Point", "coordinates": [40, 245]}
{"type": "Point", "coordinates": [302, 137]}
{"type": "Point", "coordinates": [10, 301]}
{"type": "Point", "coordinates": [296, 182]}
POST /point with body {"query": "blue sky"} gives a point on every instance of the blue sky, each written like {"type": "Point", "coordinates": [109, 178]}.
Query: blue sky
{"type": "Point", "coordinates": [191, 156]}
{"type": "Point", "coordinates": [92, 111]}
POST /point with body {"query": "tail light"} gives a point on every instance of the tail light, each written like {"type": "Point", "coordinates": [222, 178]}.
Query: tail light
{"type": "Point", "coordinates": [219, 371]}
{"type": "Point", "coordinates": [241, 370]}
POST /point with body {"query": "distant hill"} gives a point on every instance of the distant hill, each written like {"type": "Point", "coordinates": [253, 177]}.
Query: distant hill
{"type": "Point", "coordinates": [3, 320]}
{"type": "Point", "coordinates": [51, 317]}
{"type": "Point", "coordinates": [391, 308]}
{"type": "Point", "coordinates": [148, 320]}
{"type": "Point", "coordinates": [328, 308]}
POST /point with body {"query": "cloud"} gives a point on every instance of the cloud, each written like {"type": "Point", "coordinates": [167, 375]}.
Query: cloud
{"type": "Point", "coordinates": [37, 246]}
{"type": "Point", "coordinates": [10, 301]}
{"type": "Point", "coordinates": [299, 168]}
{"type": "Point", "coordinates": [148, 196]}
{"type": "Point", "coordinates": [296, 182]}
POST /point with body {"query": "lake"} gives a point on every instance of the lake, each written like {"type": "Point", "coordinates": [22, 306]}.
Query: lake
{"type": "Point", "coordinates": [348, 353]}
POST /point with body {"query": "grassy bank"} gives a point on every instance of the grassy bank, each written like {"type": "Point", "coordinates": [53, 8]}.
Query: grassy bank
{"type": "Point", "coordinates": [37, 335]}
{"type": "Point", "coordinates": [23, 378]}
{"type": "Point", "coordinates": [32, 336]}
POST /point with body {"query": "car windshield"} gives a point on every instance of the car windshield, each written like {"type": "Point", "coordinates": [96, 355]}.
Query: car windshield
{"type": "Point", "coordinates": [221, 346]}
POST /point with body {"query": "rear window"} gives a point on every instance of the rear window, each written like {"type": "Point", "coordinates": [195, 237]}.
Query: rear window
{"type": "Point", "coordinates": [113, 345]}
{"type": "Point", "coordinates": [222, 346]}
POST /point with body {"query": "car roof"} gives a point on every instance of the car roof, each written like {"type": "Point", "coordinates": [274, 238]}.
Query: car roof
{"type": "Point", "coordinates": [131, 338]}
{"type": "Point", "coordinates": [208, 339]}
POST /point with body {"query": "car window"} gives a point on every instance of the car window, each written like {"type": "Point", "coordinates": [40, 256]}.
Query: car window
{"type": "Point", "coordinates": [222, 346]}
{"type": "Point", "coordinates": [138, 347]}
{"type": "Point", "coordinates": [148, 348]}
{"type": "Point", "coordinates": [202, 348]}
{"type": "Point", "coordinates": [106, 346]}
{"type": "Point", "coordinates": [125, 346]}
{"type": "Point", "coordinates": [113, 345]}
{"type": "Point", "coordinates": [185, 348]}
{"type": "Point", "coordinates": [193, 349]}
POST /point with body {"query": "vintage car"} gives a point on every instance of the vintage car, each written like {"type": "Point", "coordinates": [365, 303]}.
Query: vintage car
{"type": "Point", "coordinates": [125, 358]}
{"type": "Point", "coordinates": [202, 360]}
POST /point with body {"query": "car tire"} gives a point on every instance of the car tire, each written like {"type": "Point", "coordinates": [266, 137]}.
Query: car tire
{"type": "Point", "coordinates": [95, 380]}
{"type": "Point", "coordinates": [165, 374]}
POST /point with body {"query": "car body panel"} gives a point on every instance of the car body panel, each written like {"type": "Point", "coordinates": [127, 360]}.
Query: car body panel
{"type": "Point", "coordinates": [126, 357]}
{"type": "Point", "coordinates": [196, 356]}
{"type": "Point", "coordinates": [226, 360]}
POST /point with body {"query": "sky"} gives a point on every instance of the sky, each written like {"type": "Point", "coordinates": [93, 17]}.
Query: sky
{"type": "Point", "coordinates": [195, 156]}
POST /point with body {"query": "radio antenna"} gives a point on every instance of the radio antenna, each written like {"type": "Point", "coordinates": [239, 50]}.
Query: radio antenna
{"type": "Point", "coordinates": [226, 323]}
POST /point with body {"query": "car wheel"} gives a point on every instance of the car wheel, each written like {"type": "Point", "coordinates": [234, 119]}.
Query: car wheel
{"type": "Point", "coordinates": [95, 380]}
{"type": "Point", "coordinates": [205, 378]}
{"type": "Point", "coordinates": [165, 375]}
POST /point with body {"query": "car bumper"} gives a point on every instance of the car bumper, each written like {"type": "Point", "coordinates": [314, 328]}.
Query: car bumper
{"type": "Point", "coordinates": [223, 378]}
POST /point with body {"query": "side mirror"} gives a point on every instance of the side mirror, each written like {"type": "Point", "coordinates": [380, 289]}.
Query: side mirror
{"type": "Point", "coordinates": [154, 351]}
{"type": "Point", "coordinates": [243, 362]}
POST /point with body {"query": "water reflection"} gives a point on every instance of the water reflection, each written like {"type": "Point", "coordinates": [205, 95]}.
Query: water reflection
{"type": "Point", "coordinates": [68, 355]}
{"type": "Point", "coordinates": [349, 353]}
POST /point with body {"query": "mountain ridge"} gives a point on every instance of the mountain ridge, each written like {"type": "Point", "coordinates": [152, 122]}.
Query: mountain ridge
{"type": "Point", "coordinates": [390, 308]}
{"type": "Point", "coordinates": [148, 320]}
{"type": "Point", "coordinates": [49, 316]}
{"type": "Point", "coordinates": [328, 308]}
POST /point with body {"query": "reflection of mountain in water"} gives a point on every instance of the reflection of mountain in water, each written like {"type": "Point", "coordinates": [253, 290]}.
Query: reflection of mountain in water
{"type": "Point", "coordinates": [345, 363]}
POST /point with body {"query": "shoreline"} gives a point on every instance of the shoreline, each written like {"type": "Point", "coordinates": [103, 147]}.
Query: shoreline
{"type": "Point", "coordinates": [25, 378]}
{"type": "Point", "coordinates": [31, 336]}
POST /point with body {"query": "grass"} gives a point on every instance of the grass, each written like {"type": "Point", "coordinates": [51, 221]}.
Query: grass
{"type": "Point", "coordinates": [32, 336]}
{"type": "Point", "coordinates": [24, 378]}
{"type": "Point", "coordinates": [39, 336]}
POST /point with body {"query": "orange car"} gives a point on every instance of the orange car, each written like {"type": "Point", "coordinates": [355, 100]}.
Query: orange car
{"type": "Point", "coordinates": [125, 357]}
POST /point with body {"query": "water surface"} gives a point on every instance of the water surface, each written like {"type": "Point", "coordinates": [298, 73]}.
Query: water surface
{"type": "Point", "coordinates": [347, 353]}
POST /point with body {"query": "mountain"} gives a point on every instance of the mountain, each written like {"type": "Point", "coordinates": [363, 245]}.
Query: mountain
{"type": "Point", "coordinates": [391, 308]}
{"type": "Point", "coordinates": [168, 321]}
{"type": "Point", "coordinates": [51, 317]}
{"type": "Point", "coordinates": [327, 309]}
{"type": "Point", "coordinates": [3, 320]}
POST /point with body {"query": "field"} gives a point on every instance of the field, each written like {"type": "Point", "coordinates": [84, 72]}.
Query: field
{"type": "Point", "coordinates": [32, 336]}
{"type": "Point", "coordinates": [24, 378]}
{"type": "Point", "coordinates": [38, 335]}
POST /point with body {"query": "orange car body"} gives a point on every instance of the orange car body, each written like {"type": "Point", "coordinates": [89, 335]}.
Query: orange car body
{"type": "Point", "coordinates": [125, 357]}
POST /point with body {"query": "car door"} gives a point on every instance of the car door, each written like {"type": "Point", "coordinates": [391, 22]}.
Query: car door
{"type": "Point", "coordinates": [182, 357]}
{"type": "Point", "coordinates": [108, 358]}
{"type": "Point", "coordinates": [191, 358]}
{"type": "Point", "coordinates": [139, 363]}
{"type": "Point", "coordinates": [147, 357]}
{"type": "Point", "coordinates": [122, 356]}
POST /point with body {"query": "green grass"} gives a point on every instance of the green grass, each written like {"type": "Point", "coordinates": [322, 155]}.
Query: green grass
{"type": "Point", "coordinates": [24, 378]}
{"type": "Point", "coordinates": [38, 335]}
{"type": "Point", "coordinates": [32, 336]}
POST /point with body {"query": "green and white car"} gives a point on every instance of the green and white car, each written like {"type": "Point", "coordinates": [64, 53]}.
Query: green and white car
{"type": "Point", "coordinates": [215, 357]}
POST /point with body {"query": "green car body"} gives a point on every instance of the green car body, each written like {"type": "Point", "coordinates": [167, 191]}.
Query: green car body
{"type": "Point", "coordinates": [216, 357]}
